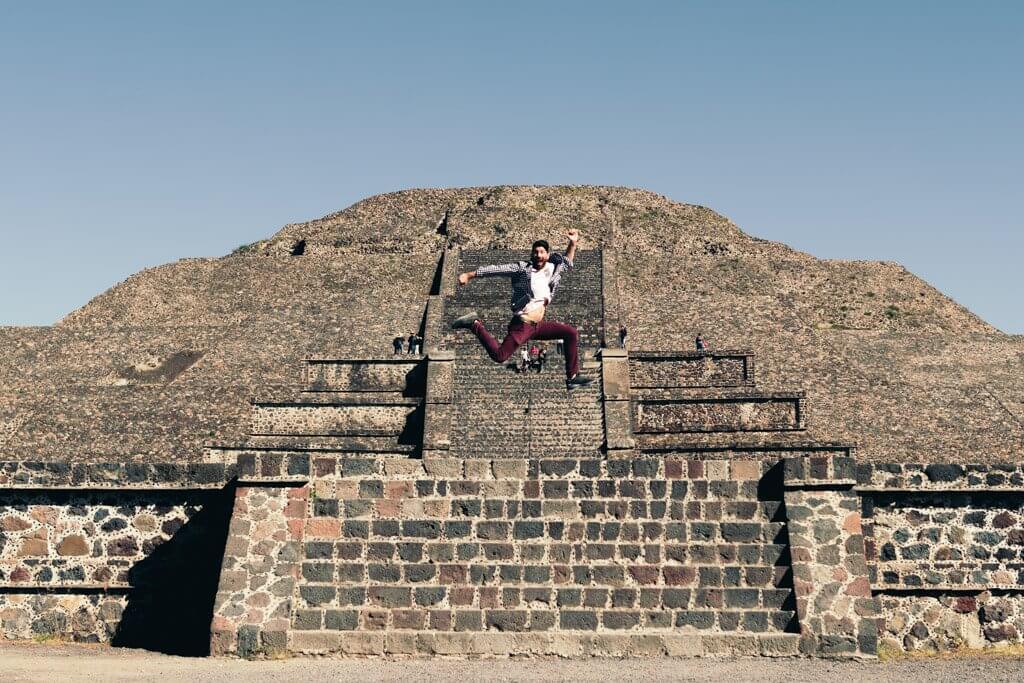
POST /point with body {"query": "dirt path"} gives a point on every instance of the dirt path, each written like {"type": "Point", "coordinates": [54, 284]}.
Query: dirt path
{"type": "Point", "coordinates": [33, 662]}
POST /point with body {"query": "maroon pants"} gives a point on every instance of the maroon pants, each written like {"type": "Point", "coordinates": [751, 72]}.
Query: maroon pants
{"type": "Point", "coordinates": [519, 333]}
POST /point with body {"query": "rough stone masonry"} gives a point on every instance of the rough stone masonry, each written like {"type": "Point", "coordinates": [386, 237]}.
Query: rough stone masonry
{"type": "Point", "coordinates": [222, 456]}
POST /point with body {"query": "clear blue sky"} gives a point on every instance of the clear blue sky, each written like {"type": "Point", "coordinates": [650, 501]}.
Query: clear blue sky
{"type": "Point", "coordinates": [137, 133]}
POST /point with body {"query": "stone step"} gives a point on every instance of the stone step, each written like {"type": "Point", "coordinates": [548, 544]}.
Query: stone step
{"type": "Point", "coordinates": [740, 444]}
{"type": "Point", "coordinates": [405, 374]}
{"type": "Point", "coordinates": [649, 370]}
{"type": "Point", "coordinates": [719, 411]}
{"type": "Point", "coordinates": [283, 447]}
{"type": "Point", "coordinates": [503, 619]}
{"type": "Point", "coordinates": [562, 643]}
{"type": "Point", "coordinates": [379, 446]}
{"type": "Point", "coordinates": [384, 417]}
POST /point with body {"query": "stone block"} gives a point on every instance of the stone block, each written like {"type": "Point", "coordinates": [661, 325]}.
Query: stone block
{"type": "Point", "coordinates": [443, 468]}
{"type": "Point", "coordinates": [745, 469]}
{"type": "Point", "coordinates": [679, 645]}
{"type": "Point", "coordinates": [731, 645]}
{"type": "Point", "coordinates": [314, 642]}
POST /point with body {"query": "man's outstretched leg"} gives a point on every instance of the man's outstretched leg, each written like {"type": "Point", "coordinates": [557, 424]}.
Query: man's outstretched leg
{"type": "Point", "coordinates": [518, 334]}
{"type": "Point", "coordinates": [547, 329]}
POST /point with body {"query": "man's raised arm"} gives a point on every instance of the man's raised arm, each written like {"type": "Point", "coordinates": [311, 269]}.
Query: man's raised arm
{"type": "Point", "coordinates": [570, 251]}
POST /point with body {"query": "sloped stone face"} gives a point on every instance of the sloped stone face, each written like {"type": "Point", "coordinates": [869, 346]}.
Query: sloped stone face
{"type": "Point", "coordinates": [845, 329]}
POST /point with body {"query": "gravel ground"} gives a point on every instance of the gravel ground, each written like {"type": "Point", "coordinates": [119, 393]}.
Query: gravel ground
{"type": "Point", "coordinates": [34, 662]}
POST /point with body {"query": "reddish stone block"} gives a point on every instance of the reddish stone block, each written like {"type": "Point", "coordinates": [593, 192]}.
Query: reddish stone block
{"type": "Point", "coordinates": [453, 573]}
{"type": "Point", "coordinates": [461, 596]}
{"type": "Point", "coordinates": [12, 523]}
{"type": "Point", "coordinates": [258, 600]}
{"type": "Point", "coordinates": [859, 587]}
{"type": "Point", "coordinates": [388, 508]}
{"type": "Point", "coordinates": [409, 619]}
{"type": "Point", "coordinates": [398, 489]}
{"type": "Point", "coordinates": [712, 597]}
{"type": "Point", "coordinates": [323, 527]}
{"type": "Point", "coordinates": [220, 623]}
{"type": "Point", "coordinates": [745, 469]}
{"type": "Point", "coordinates": [73, 545]}
{"type": "Point", "coordinates": [347, 489]}
{"type": "Point", "coordinates": [296, 528]}
{"type": "Point", "coordinates": [531, 489]}
{"type": "Point", "coordinates": [679, 576]}
{"type": "Point", "coordinates": [222, 642]}
{"type": "Point", "coordinates": [695, 469]}
{"type": "Point", "coordinates": [673, 469]}
{"type": "Point", "coordinates": [852, 523]}
{"type": "Point", "coordinates": [323, 467]}
{"type": "Point", "coordinates": [490, 597]}
{"type": "Point", "coordinates": [645, 575]}
{"type": "Point", "coordinates": [45, 515]}
{"type": "Point", "coordinates": [965, 604]}
{"type": "Point", "coordinates": [801, 554]}
{"type": "Point", "coordinates": [299, 493]}
{"type": "Point", "coordinates": [295, 509]}
{"type": "Point", "coordinates": [440, 620]}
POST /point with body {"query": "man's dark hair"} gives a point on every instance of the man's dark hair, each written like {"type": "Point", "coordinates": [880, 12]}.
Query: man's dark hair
{"type": "Point", "coordinates": [541, 243]}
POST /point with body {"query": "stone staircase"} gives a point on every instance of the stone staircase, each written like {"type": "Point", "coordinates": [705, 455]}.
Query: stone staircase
{"type": "Point", "coordinates": [502, 413]}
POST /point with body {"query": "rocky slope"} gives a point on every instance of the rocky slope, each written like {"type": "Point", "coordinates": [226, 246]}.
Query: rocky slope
{"type": "Point", "coordinates": [169, 359]}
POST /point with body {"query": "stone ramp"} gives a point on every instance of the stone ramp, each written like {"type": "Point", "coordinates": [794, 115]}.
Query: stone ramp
{"type": "Point", "coordinates": [501, 413]}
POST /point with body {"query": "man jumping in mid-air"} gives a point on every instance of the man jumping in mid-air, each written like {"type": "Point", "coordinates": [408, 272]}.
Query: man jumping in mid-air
{"type": "Point", "coordinates": [533, 285]}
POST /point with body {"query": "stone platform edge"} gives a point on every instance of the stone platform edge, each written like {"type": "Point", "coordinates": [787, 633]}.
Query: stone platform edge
{"type": "Point", "coordinates": [561, 644]}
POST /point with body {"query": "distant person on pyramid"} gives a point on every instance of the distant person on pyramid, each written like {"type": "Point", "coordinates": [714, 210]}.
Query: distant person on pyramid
{"type": "Point", "coordinates": [397, 343]}
{"type": "Point", "coordinates": [533, 285]}
{"type": "Point", "coordinates": [702, 343]}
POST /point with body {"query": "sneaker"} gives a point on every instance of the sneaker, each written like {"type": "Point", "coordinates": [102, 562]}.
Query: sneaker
{"type": "Point", "coordinates": [465, 321]}
{"type": "Point", "coordinates": [578, 381]}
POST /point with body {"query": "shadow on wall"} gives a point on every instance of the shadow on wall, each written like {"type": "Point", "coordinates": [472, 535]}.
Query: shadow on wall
{"type": "Point", "coordinates": [170, 606]}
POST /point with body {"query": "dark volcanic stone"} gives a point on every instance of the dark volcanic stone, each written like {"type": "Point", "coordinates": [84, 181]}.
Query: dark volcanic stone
{"type": "Point", "coordinates": [944, 473]}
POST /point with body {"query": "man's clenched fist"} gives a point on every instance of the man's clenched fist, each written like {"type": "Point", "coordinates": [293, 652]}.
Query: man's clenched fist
{"type": "Point", "coordinates": [574, 235]}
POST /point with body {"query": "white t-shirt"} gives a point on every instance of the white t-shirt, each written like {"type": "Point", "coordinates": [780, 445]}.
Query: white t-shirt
{"type": "Point", "coordinates": [540, 285]}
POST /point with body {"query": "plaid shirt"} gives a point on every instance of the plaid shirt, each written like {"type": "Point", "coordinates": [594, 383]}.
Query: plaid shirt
{"type": "Point", "coordinates": [522, 291]}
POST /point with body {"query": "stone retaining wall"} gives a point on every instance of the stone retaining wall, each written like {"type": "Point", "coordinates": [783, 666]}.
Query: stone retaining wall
{"type": "Point", "coordinates": [127, 567]}
{"type": "Point", "coordinates": [518, 551]}
{"type": "Point", "coordinates": [946, 548]}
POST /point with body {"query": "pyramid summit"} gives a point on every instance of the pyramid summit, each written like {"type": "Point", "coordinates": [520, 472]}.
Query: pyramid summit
{"type": "Point", "coordinates": [228, 455]}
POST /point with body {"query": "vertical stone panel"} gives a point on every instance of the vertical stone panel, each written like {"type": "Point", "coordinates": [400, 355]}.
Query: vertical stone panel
{"type": "Point", "coordinates": [261, 565]}
{"type": "Point", "coordinates": [835, 607]}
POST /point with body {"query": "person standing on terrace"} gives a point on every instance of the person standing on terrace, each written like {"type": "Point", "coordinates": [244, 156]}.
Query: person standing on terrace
{"type": "Point", "coordinates": [533, 286]}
